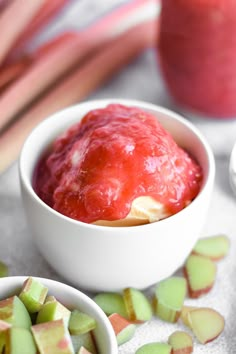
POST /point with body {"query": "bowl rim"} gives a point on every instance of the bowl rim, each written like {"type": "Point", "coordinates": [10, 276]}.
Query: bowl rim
{"type": "Point", "coordinates": [102, 318]}
{"type": "Point", "coordinates": [25, 179]}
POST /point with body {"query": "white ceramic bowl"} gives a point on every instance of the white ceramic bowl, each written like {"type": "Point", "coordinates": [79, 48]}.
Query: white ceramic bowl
{"type": "Point", "coordinates": [73, 299]}
{"type": "Point", "coordinates": [112, 258]}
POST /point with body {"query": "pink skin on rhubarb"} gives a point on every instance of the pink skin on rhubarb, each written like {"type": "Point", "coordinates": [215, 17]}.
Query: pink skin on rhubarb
{"type": "Point", "coordinates": [21, 15]}
{"type": "Point", "coordinates": [200, 273]}
{"type": "Point", "coordinates": [214, 247]}
{"type": "Point", "coordinates": [124, 330]}
{"type": "Point", "coordinates": [47, 12]}
{"type": "Point", "coordinates": [206, 323]}
{"type": "Point", "coordinates": [46, 70]}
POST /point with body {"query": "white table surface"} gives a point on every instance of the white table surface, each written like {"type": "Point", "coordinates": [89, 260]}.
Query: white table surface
{"type": "Point", "coordinates": [140, 80]}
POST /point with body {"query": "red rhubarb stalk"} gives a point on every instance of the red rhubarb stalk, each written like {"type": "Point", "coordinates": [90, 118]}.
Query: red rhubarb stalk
{"type": "Point", "coordinates": [56, 42]}
{"type": "Point", "coordinates": [47, 13]}
{"type": "Point", "coordinates": [133, 11]}
{"type": "Point", "coordinates": [13, 20]}
{"type": "Point", "coordinates": [81, 82]}
{"type": "Point", "coordinates": [55, 63]}
{"type": "Point", "coordinates": [11, 71]}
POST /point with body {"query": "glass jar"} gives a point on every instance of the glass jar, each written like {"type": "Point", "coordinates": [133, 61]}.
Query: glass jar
{"type": "Point", "coordinates": [197, 52]}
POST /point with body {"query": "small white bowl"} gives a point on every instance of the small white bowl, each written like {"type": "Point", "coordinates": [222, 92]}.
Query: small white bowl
{"type": "Point", "coordinates": [73, 299]}
{"type": "Point", "coordinates": [102, 258]}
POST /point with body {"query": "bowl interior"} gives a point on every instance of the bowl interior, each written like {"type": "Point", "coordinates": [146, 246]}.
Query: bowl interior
{"type": "Point", "coordinates": [73, 299]}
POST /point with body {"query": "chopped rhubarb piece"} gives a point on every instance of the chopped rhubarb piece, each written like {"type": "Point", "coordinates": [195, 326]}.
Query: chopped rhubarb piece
{"type": "Point", "coordinates": [33, 294]}
{"type": "Point", "coordinates": [206, 323]}
{"type": "Point", "coordinates": [53, 310]}
{"type": "Point", "coordinates": [169, 298]}
{"type": "Point", "coordinates": [181, 342]}
{"type": "Point", "coordinates": [200, 273]}
{"type": "Point", "coordinates": [155, 348]}
{"type": "Point", "coordinates": [53, 337]}
{"type": "Point", "coordinates": [84, 340]}
{"type": "Point", "coordinates": [137, 305]}
{"type": "Point", "coordinates": [124, 330]}
{"type": "Point", "coordinates": [4, 326]}
{"type": "Point", "coordinates": [50, 298]}
{"type": "Point", "coordinates": [80, 322]}
{"type": "Point", "coordinates": [215, 247]}
{"type": "Point", "coordinates": [83, 350]}
{"type": "Point", "coordinates": [111, 302]}
{"type": "Point", "coordinates": [184, 314]}
{"type": "Point", "coordinates": [19, 341]}
{"type": "Point", "coordinates": [13, 311]}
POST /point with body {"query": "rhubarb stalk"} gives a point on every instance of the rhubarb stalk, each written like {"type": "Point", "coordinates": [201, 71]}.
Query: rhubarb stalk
{"type": "Point", "coordinates": [55, 63]}
{"type": "Point", "coordinates": [12, 71]}
{"type": "Point", "coordinates": [81, 82]}
{"type": "Point", "coordinates": [13, 20]}
{"type": "Point", "coordinates": [47, 12]}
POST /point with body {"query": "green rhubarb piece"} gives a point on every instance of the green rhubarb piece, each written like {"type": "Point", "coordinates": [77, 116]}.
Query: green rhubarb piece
{"type": "Point", "coordinates": [80, 322]}
{"type": "Point", "coordinates": [2, 341]}
{"type": "Point", "coordinates": [154, 348]}
{"type": "Point", "coordinates": [215, 247]}
{"type": "Point", "coordinates": [52, 337]}
{"type": "Point", "coordinates": [137, 305]}
{"type": "Point", "coordinates": [200, 272]}
{"type": "Point", "coordinates": [19, 341]}
{"type": "Point", "coordinates": [206, 323]}
{"type": "Point", "coordinates": [126, 335]}
{"type": "Point", "coordinates": [169, 298]}
{"type": "Point", "coordinates": [4, 326]}
{"type": "Point", "coordinates": [184, 314]}
{"type": "Point", "coordinates": [110, 303]}
{"type": "Point", "coordinates": [51, 311]}
{"type": "Point", "coordinates": [50, 298]}
{"type": "Point", "coordinates": [181, 342]}
{"type": "Point", "coordinates": [13, 311]}
{"type": "Point", "coordinates": [124, 330]}
{"type": "Point", "coordinates": [3, 270]}
{"type": "Point", "coordinates": [83, 350]}
{"type": "Point", "coordinates": [33, 294]}
{"type": "Point", "coordinates": [83, 340]}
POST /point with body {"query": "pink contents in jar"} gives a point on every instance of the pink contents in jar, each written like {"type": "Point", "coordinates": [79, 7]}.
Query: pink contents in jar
{"type": "Point", "coordinates": [197, 51]}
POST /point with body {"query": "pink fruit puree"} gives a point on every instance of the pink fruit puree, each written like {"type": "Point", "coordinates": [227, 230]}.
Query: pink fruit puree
{"type": "Point", "coordinates": [99, 166]}
{"type": "Point", "coordinates": [197, 48]}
